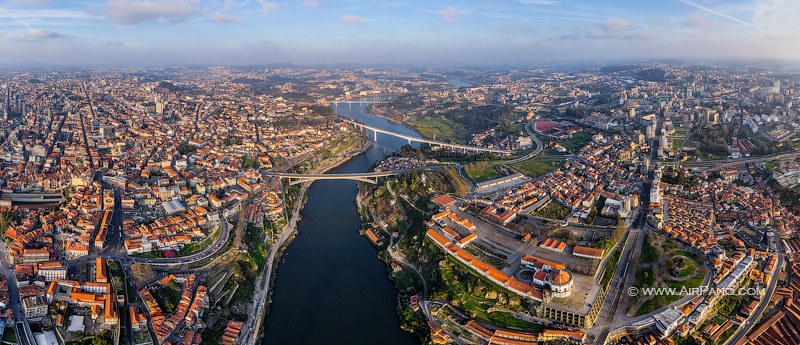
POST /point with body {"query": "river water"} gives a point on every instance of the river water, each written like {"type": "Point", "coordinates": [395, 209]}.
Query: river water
{"type": "Point", "coordinates": [330, 287]}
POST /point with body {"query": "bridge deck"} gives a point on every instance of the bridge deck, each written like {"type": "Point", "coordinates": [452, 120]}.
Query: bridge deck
{"type": "Point", "coordinates": [428, 141]}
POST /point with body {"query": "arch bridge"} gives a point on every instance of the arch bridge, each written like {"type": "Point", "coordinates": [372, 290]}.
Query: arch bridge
{"type": "Point", "coordinates": [368, 177]}
{"type": "Point", "coordinates": [410, 139]}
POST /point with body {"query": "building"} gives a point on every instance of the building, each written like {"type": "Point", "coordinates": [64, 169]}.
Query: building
{"type": "Point", "coordinates": [30, 256]}
{"type": "Point", "coordinates": [588, 252]}
{"type": "Point", "coordinates": [34, 308]}
{"type": "Point", "coordinates": [51, 270]}
{"type": "Point", "coordinates": [100, 270]}
{"type": "Point", "coordinates": [560, 282]}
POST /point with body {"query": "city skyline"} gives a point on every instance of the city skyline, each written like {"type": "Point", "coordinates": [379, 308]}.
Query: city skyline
{"type": "Point", "coordinates": [160, 32]}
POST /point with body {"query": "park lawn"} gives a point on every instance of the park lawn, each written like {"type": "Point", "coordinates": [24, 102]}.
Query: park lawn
{"type": "Point", "coordinates": [656, 303]}
{"type": "Point", "coordinates": [677, 143]}
{"type": "Point", "coordinates": [478, 307]}
{"type": "Point", "coordinates": [770, 165]}
{"type": "Point", "coordinates": [649, 252]}
{"type": "Point", "coordinates": [481, 173]}
{"type": "Point", "coordinates": [536, 167]}
{"type": "Point", "coordinates": [689, 283]}
{"type": "Point", "coordinates": [689, 269]}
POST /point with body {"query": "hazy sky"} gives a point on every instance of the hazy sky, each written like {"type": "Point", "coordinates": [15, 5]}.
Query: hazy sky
{"type": "Point", "coordinates": [392, 31]}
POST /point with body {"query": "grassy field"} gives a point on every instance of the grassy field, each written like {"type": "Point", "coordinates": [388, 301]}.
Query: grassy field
{"type": "Point", "coordinates": [770, 165]}
{"type": "Point", "coordinates": [677, 143]}
{"type": "Point", "coordinates": [438, 127]}
{"type": "Point", "coordinates": [480, 172]}
{"type": "Point", "coordinates": [577, 141]}
{"type": "Point", "coordinates": [552, 210]}
{"type": "Point", "coordinates": [536, 167]}
{"type": "Point", "coordinates": [649, 253]}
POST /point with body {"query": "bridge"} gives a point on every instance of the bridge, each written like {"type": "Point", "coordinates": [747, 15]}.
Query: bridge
{"type": "Point", "coordinates": [335, 103]}
{"type": "Point", "coordinates": [410, 139]}
{"type": "Point", "coordinates": [368, 177]}
{"type": "Point", "coordinates": [725, 163]}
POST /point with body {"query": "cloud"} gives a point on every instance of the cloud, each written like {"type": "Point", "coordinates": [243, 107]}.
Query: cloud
{"type": "Point", "coordinates": [222, 18]}
{"type": "Point", "coordinates": [539, 2]}
{"type": "Point", "coordinates": [450, 13]}
{"type": "Point", "coordinates": [30, 2]}
{"type": "Point", "coordinates": [41, 34]}
{"type": "Point", "coordinates": [642, 35]}
{"type": "Point", "coordinates": [697, 22]}
{"type": "Point", "coordinates": [620, 28]}
{"type": "Point", "coordinates": [720, 14]}
{"type": "Point", "coordinates": [131, 12]}
{"type": "Point", "coordinates": [311, 3]}
{"type": "Point", "coordinates": [351, 19]}
{"type": "Point", "coordinates": [268, 6]}
{"type": "Point", "coordinates": [595, 32]}
{"type": "Point", "coordinates": [779, 17]}
{"type": "Point", "coordinates": [616, 24]}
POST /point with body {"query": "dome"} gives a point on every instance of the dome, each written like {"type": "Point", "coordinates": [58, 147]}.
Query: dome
{"type": "Point", "coordinates": [561, 277]}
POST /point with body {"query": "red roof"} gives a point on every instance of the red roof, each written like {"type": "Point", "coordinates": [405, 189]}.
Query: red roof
{"type": "Point", "coordinates": [444, 200]}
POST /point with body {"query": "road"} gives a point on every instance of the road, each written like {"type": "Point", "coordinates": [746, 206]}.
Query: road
{"type": "Point", "coordinates": [534, 153]}
{"type": "Point", "coordinates": [762, 305]}
{"type": "Point", "coordinates": [786, 156]}
{"type": "Point", "coordinates": [83, 127]}
{"type": "Point", "coordinates": [262, 295]}
{"type": "Point", "coordinates": [208, 252]}
{"type": "Point", "coordinates": [426, 141]}
{"type": "Point", "coordinates": [24, 334]}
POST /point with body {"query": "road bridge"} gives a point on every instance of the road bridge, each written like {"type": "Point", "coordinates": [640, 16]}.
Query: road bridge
{"type": "Point", "coordinates": [410, 139]}
{"type": "Point", "coordinates": [368, 177]}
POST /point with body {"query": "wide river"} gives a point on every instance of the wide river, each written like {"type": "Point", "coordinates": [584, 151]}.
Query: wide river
{"type": "Point", "coordinates": [330, 287]}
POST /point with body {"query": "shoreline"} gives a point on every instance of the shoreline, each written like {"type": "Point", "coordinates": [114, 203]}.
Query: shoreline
{"type": "Point", "coordinates": [264, 308]}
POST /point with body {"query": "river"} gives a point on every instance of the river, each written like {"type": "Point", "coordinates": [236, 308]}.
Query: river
{"type": "Point", "coordinates": [330, 287]}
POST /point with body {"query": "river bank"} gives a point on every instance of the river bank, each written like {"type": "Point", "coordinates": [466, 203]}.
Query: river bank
{"type": "Point", "coordinates": [287, 236]}
{"type": "Point", "coordinates": [327, 284]}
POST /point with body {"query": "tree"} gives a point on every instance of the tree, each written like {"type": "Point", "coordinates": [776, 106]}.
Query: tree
{"type": "Point", "coordinates": [104, 338]}
{"type": "Point", "coordinates": [141, 272]}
